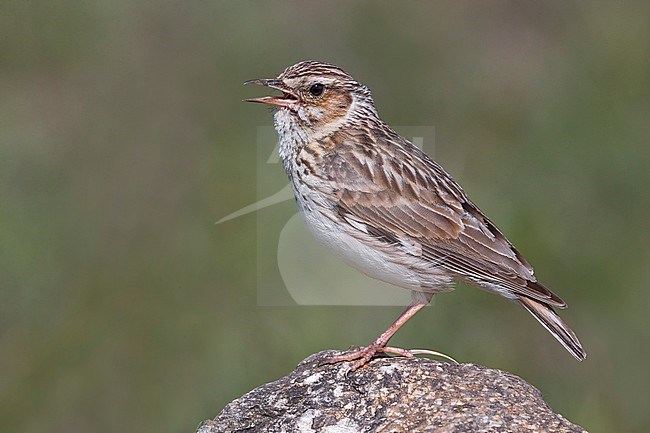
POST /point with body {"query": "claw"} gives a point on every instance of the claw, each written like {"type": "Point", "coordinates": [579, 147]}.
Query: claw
{"type": "Point", "coordinates": [361, 356]}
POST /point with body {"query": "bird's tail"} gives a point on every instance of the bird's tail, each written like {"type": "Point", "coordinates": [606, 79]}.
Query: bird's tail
{"type": "Point", "coordinates": [555, 325]}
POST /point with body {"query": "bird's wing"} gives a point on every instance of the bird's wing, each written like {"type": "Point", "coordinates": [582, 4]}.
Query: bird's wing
{"type": "Point", "coordinates": [399, 194]}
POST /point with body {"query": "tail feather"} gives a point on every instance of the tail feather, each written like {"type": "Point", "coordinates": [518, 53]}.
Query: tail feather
{"type": "Point", "coordinates": [555, 325]}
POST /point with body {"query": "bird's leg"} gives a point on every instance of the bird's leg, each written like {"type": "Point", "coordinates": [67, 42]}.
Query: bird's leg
{"type": "Point", "coordinates": [365, 354]}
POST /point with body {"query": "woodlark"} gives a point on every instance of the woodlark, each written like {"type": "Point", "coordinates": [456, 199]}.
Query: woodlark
{"type": "Point", "coordinates": [386, 208]}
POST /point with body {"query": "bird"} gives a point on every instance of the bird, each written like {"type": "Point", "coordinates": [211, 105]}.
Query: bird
{"type": "Point", "coordinates": [386, 208]}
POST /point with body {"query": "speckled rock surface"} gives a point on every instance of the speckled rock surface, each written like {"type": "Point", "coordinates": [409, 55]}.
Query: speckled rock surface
{"type": "Point", "coordinates": [390, 395]}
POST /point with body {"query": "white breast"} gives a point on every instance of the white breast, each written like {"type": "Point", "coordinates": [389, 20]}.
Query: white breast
{"type": "Point", "coordinates": [390, 264]}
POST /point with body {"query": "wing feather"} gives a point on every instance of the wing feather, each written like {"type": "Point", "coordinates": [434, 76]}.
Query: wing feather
{"type": "Point", "coordinates": [409, 196]}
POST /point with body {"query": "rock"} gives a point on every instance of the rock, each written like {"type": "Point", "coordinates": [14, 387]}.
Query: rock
{"type": "Point", "coordinates": [390, 395]}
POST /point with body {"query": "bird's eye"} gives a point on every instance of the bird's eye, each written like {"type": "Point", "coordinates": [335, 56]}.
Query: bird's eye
{"type": "Point", "coordinates": [316, 89]}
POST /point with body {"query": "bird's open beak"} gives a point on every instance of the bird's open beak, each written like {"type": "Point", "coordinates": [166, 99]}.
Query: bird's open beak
{"type": "Point", "coordinates": [288, 98]}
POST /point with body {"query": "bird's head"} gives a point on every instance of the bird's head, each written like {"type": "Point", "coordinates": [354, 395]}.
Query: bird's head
{"type": "Point", "coordinates": [317, 99]}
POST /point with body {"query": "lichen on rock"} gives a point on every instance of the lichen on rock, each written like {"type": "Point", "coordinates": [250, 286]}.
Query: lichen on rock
{"type": "Point", "coordinates": [390, 395]}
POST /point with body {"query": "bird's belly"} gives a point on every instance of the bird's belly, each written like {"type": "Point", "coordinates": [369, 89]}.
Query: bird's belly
{"type": "Point", "coordinates": [378, 261]}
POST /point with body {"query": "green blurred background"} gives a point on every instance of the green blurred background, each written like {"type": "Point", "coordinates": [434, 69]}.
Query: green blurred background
{"type": "Point", "coordinates": [123, 138]}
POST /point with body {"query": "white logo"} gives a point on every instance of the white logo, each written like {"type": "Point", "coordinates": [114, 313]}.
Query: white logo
{"type": "Point", "coordinates": [292, 268]}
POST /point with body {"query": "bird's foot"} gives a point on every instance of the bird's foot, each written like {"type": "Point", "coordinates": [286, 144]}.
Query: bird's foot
{"type": "Point", "coordinates": [362, 355]}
